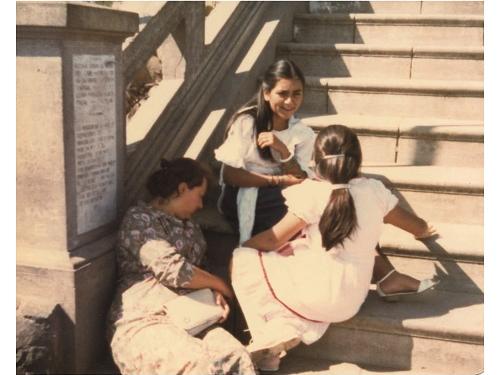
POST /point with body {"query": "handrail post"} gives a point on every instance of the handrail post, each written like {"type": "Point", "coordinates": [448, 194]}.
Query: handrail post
{"type": "Point", "coordinates": [195, 36]}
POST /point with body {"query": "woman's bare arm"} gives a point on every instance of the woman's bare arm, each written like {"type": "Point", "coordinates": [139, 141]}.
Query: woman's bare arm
{"type": "Point", "coordinates": [243, 178]}
{"type": "Point", "coordinates": [278, 235]}
{"type": "Point", "coordinates": [203, 279]}
{"type": "Point", "coordinates": [409, 222]}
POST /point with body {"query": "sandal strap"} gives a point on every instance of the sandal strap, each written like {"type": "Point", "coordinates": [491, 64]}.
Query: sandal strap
{"type": "Point", "coordinates": [386, 276]}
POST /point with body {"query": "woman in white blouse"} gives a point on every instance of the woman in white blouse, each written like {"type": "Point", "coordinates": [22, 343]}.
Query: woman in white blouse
{"type": "Point", "coordinates": [266, 149]}
{"type": "Point", "coordinates": [290, 290]}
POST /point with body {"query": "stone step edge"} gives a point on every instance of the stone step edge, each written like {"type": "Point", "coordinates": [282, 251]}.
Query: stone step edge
{"type": "Point", "coordinates": [458, 52]}
{"type": "Point", "coordinates": [378, 316]}
{"type": "Point", "coordinates": [392, 19]}
{"type": "Point", "coordinates": [402, 127]}
{"type": "Point", "coordinates": [396, 242]}
{"type": "Point", "coordinates": [427, 178]}
{"type": "Point", "coordinates": [397, 86]}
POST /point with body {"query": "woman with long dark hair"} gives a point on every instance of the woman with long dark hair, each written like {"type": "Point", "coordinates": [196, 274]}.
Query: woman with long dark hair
{"type": "Point", "coordinates": [290, 291]}
{"type": "Point", "coordinates": [266, 149]}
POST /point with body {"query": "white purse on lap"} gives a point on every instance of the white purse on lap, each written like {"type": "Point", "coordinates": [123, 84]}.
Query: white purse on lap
{"type": "Point", "coordinates": [194, 311]}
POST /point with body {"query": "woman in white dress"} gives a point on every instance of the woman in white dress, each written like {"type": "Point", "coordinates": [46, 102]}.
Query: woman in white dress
{"type": "Point", "coordinates": [290, 290]}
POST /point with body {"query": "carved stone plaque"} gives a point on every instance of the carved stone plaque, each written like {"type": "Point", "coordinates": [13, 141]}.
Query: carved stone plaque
{"type": "Point", "coordinates": [95, 140]}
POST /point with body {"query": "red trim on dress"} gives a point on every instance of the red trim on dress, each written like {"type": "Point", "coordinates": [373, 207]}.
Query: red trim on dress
{"type": "Point", "coordinates": [276, 297]}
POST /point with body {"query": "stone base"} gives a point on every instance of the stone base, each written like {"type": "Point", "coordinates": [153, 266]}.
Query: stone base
{"type": "Point", "coordinates": [62, 309]}
{"type": "Point", "coordinates": [40, 337]}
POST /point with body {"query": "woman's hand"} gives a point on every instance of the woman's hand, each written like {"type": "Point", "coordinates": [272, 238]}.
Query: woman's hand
{"type": "Point", "coordinates": [225, 290]}
{"type": "Point", "coordinates": [430, 231]}
{"type": "Point", "coordinates": [269, 139]}
{"type": "Point", "coordinates": [289, 180]}
{"type": "Point", "coordinates": [219, 300]}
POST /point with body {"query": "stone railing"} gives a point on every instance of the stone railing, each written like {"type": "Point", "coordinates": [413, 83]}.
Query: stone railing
{"type": "Point", "coordinates": [185, 16]}
{"type": "Point", "coordinates": [206, 68]}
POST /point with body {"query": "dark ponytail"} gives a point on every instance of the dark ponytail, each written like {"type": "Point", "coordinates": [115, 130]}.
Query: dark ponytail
{"type": "Point", "coordinates": [165, 181]}
{"type": "Point", "coordinates": [339, 220]}
{"type": "Point", "coordinates": [259, 108]}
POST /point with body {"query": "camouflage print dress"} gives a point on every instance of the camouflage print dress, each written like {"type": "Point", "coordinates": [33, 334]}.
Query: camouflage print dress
{"type": "Point", "coordinates": [155, 255]}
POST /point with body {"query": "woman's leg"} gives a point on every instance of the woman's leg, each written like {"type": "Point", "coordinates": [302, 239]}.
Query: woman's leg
{"type": "Point", "coordinates": [227, 354]}
{"type": "Point", "coordinates": [270, 208]}
{"type": "Point", "coordinates": [159, 348]}
{"type": "Point", "coordinates": [394, 283]}
{"type": "Point", "coordinates": [228, 205]}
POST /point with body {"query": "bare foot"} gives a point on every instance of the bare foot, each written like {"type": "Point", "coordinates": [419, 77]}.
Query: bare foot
{"type": "Point", "coordinates": [398, 283]}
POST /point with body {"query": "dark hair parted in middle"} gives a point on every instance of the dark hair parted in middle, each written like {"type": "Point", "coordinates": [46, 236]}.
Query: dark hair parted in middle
{"type": "Point", "coordinates": [339, 219]}
{"type": "Point", "coordinates": [259, 108]}
{"type": "Point", "coordinates": [165, 181]}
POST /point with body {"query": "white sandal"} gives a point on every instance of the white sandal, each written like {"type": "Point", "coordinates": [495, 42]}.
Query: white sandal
{"type": "Point", "coordinates": [424, 286]}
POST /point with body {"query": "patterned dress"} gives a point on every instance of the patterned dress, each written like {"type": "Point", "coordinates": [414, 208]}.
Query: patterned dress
{"type": "Point", "coordinates": [155, 257]}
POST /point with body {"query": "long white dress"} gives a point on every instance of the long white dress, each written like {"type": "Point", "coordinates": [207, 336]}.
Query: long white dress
{"type": "Point", "coordinates": [313, 287]}
{"type": "Point", "coordinates": [240, 151]}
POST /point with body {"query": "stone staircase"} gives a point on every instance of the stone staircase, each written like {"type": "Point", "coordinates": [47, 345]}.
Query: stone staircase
{"type": "Point", "coordinates": [408, 76]}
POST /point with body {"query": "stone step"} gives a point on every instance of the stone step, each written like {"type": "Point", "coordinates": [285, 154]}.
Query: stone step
{"type": "Point", "coordinates": [382, 61]}
{"type": "Point", "coordinates": [455, 276]}
{"type": "Point", "coordinates": [437, 194]}
{"type": "Point", "coordinates": [412, 141]}
{"type": "Point", "coordinates": [384, 97]}
{"type": "Point", "coordinates": [291, 364]}
{"type": "Point", "coordinates": [410, 7]}
{"type": "Point", "coordinates": [456, 242]}
{"type": "Point", "coordinates": [441, 333]}
{"type": "Point", "coordinates": [296, 365]}
{"type": "Point", "coordinates": [390, 29]}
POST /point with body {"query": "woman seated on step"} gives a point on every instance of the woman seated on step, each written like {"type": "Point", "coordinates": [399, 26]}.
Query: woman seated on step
{"type": "Point", "coordinates": [267, 149]}
{"type": "Point", "coordinates": [314, 267]}
{"type": "Point", "coordinates": [160, 255]}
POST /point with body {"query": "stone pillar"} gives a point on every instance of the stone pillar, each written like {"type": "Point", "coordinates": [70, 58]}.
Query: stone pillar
{"type": "Point", "coordinates": [70, 169]}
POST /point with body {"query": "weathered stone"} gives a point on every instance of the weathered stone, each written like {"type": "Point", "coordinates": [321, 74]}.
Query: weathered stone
{"type": "Point", "coordinates": [38, 338]}
{"type": "Point", "coordinates": [70, 168]}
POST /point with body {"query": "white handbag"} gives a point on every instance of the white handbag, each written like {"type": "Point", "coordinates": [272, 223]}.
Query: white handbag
{"type": "Point", "coordinates": [194, 311]}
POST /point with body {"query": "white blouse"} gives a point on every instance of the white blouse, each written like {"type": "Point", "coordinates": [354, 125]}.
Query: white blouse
{"type": "Point", "coordinates": [239, 150]}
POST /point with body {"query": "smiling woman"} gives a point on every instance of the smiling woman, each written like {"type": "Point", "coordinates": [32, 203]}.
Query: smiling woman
{"type": "Point", "coordinates": [266, 149]}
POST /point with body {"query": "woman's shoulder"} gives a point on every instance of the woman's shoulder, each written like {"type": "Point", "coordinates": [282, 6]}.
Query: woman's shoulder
{"type": "Point", "coordinates": [300, 128]}
{"type": "Point", "coordinates": [367, 182]}
{"type": "Point", "coordinates": [244, 121]}
{"type": "Point", "coordinates": [309, 190]}
{"type": "Point", "coordinates": [139, 213]}
{"type": "Point", "coordinates": [307, 200]}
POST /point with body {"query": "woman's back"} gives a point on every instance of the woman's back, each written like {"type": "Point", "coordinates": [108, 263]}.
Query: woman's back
{"type": "Point", "coordinates": [330, 284]}
{"type": "Point", "coordinates": [372, 202]}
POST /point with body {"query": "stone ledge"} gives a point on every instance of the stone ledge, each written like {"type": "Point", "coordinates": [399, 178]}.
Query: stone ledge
{"type": "Point", "coordinates": [345, 49]}
{"type": "Point", "coordinates": [440, 315]}
{"type": "Point", "coordinates": [406, 86]}
{"type": "Point", "coordinates": [405, 127]}
{"type": "Point", "coordinates": [429, 178]}
{"type": "Point", "coordinates": [392, 19]}
{"type": "Point", "coordinates": [462, 242]}
{"type": "Point", "coordinates": [473, 53]}
{"type": "Point", "coordinates": [76, 16]}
